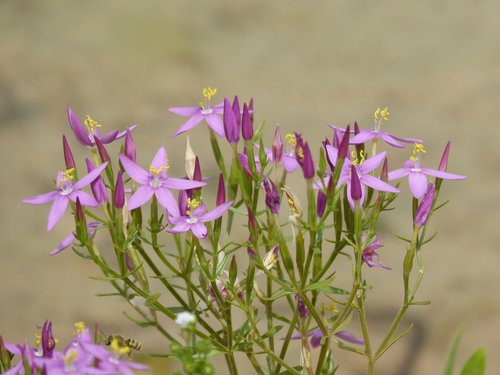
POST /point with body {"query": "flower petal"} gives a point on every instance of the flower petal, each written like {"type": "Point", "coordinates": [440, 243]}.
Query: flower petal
{"type": "Point", "coordinates": [180, 227]}
{"type": "Point", "coordinates": [78, 128]}
{"type": "Point", "coordinates": [167, 201]}
{"type": "Point", "coordinates": [215, 122]}
{"type": "Point", "coordinates": [418, 184]}
{"type": "Point", "coordinates": [377, 184]}
{"type": "Point", "coordinates": [87, 179]}
{"type": "Point", "coordinates": [140, 197]}
{"type": "Point", "coordinates": [124, 133]}
{"type": "Point", "coordinates": [135, 172]}
{"type": "Point", "coordinates": [181, 184]}
{"type": "Point", "coordinates": [216, 212]}
{"type": "Point", "coordinates": [184, 111]}
{"type": "Point", "coordinates": [443, 175]}
{"type": "Point", "coordinates": [362, 137]}
{"type": "Point", "coordinates": [110, 137]}
{"type": "Point", "coordinates": [65, 243]}
{"type": "Point", "coordinates": [57, 211]}
{"type": "Point", "coordinates": [389, 139]}
{"type": "Point", "coordinates": [199, 230]}
{"type": "Point", "coordinates": [160, 158]}
{"type": "Point", "coordinates": [349, 337]}
{"type": "Point", "coordinates": [370, 164]}
{"type": "Point", "coordinates": [85, 198]}
{"type": "Point", "coordinates": [290, 163]}
{"type": "Point", "coordinates": [189, 124]}
{"type": "Point", "coordinates": [42, 198]}
{"type": "Point", "coordinates": [398, 173]}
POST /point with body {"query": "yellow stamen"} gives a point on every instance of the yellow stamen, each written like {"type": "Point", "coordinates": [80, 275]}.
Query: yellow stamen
{"type": "Point", "coordinates": [67, 175]}
{"type": "Point", "coordinates": [209, 92]}
{"type": "Point", "coordinates": [91, 124]}
{"type": "Point", "coordinates": [384, 113]}
{"type": "Point", "coordinates": [418, 148]}
{"type": "Point", "coordinates": [300, 153]}
{"type": "Point", "coordinates": [79, 327]}
{"type": "Point", "coordinates": [291, 139]}
{"type": "Point", "coordinates": [156, 171]}
{"type": "Point", "coordinates": [38, 340]}
{"type": "Point", "coordinates": [358, 161]}
{"type": "Point", "coordinates": [119, 349]}
{"type": "Point", "coordinates": [192, 205]}
{"type": "Point", "coordinates": [71, 356]}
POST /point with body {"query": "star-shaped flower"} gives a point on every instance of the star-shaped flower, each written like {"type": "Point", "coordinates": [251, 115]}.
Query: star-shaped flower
{"type": "Point", "coordinates": [67, 191]}
{"type": "Point", "coordinates": [155, 182]}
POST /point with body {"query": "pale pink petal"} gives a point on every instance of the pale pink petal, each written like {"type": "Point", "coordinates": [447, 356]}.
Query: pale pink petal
{"type": "Point", "coordinates": [65, 243]}
{"type": "Point", "coordinates": [216, 212]}
{"type": "Point", "coordinates": [443, 175]}
{"type": "Point", "coordinates": [174, 220]}
{"type": "Point", "coordinates": [57, 211]}
{"type": "Point", "coordinates": [181, 184]}
{"type": "Point", "coordinates": [189, 124]}
{"type": "Point", "coordinates": [78, 128]}
{"type": "Point", "coordinates": [185, 111]}
{"type": "Point", "coordinates": [388, 138]}
{"type": "Point", "coordinates": [215, 122]}
{"type": "Point", "coordinates": [362, 137]}
{"type": "Point", "coordinates": [332, 154]}
{"type": "Point", "coordinates": [398, 173]}
{"type": "Point", "coordinates": [370, 164]}
{"type": "Point", "coordinates": [110, 137]}
{"type": "Point", "coordinates": [42, 198]}
{"type": "Point", "coordinates": [85, 198]}
{"type": "Point", "coordinates": [418, 184]}
{"type": "Point", "coordinates": [199, 230]}
{"type": "Point", "coordinates": [179, 228]}
{"type": "Point", "coordinates": [140, 197]}
{"type": "Point", "coordinates": [167, 201]}
{"type": "Point", "coordinates": [124, 133]}
{"type": "Point", "coordinates": [160, 158]}
{"type": "Point", "coordinates": [87, 179]}
{"type": "Point", "coordinates": [135, 172]}
{"type": "Point", "coordinates": [377, 184]}
{"type": "Point", "coordinates": [290, 163]}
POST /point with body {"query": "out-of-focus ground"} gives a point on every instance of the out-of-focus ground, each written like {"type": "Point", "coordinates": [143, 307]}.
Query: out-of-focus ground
{"type": "Point", "coordinates": [436, 64]}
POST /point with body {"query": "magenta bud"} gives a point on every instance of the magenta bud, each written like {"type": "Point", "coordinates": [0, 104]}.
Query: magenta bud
{"type": "Point", "coordinates": [103, 154]}
{"type": "Point", "coordinates": [337, 138]}
{"type": "Point", "coordinates": [197, 170]}
{"type": "Point", "coordinates": [246, 124]}
{"type": "Point", "coordinates": [321, 204]}
{"type": "Point", "coordinates": [425, 206]}
{"type": "Point", "coordinates": [384, 175]}
{"type": "Point", "coordinates": [183, 202]}
{"type": "Point", "coordinates": [48, 342]}
{"type": "Point", "coordinates": [119, 192]}
{"type": "Point", "coordinates": [250, 109]}
{"type": "Point", "coordinates": [344, 145]}
{"type": "Point", "coordinates": [356, 128]}
{"type": "Point", "coordinates": [98, 188]}
{"type": "Point", "coordinates": [130, 151]}
{"type": "Point", "coordinates": [68, 155]}
{"type": "Point", "coordinates": [237, 112]}
{"type": "Point", "coordinates": [301, 307]}
{"type": "Point", "coordinates": [230, 126]}
{"type": "Point", "coordinates": [272, 196]}
{"type": "Point", "coordinates": [307, 162]}
{"type": "Point", "coordinates": [221, 191]}
{"type": "Point", "coordinates": [79, 214]}
{"type": "Point", "coordinates": [355, 185]}
{"type": "Point", "coordinates": [444, 159]}
{"type": "Point", "coordinates": [129, 262]}
{"type": "Point", "coordinates": [277, 146]}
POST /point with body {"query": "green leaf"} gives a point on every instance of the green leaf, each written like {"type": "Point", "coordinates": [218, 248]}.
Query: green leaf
{"type": "Point", "coordinates": [324, 286]}
{"type": "Point", "coordinates": [452, 352]}
{"type": "Point", "coordinates": [274, 330]}
{"type": "Point", "coordinates": [476, 364]}
{"type": "Point", "coordinates": [152, 299]}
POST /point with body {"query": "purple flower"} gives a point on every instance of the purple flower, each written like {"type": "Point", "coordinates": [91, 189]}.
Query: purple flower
{"type": "Point", "coordinates": [277, 151]}
{"type": "Point", "coordinates": [48, 342]}
{"type": "Point", "coordinates": [86, 134]}
{"type": "Point", "coordinates": [290, 162]}
{"type": "Point", "coordinates": [272, 196]}
{"type": "Point", "coordinates": [370, 256]}
{"type": "Point", "coordinates": [417, 174]}
{"type": "Point", "coordinates": [97, 186]}
{"type": "Point", "coordinates": [155, 182]}
{"type": "Point", "coordinates": [68, 155]}
{"type": "Point", "coordinates": [65, 192]}
{"type": "Point", "coordinates": [231, 121]}
{"type": "Point", "coordinates": [366, 135]}
{"type": "Point", "coordinates": [204, 111]}
{"type": "Point", "coordinates": [301, 307]}
{"type": "Point", "coordinates": [246, 124]}
{"type": "Point", "coordinates": [194, 217]}
{"type": "Point", "coordinates": [424, 208]}
{"type": "Point", "coordinates": [316, 336]}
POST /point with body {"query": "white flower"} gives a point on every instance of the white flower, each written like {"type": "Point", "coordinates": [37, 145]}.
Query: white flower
{"type": "Point", "coordinates": [184, 319]}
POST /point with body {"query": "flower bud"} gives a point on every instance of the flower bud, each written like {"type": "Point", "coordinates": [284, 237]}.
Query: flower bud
{"type": "Point", "coordinates": [130, 151]}
{"type": "Point", "coordinates": [344, 145]}
{"type": "Point", "coordinates": [356, 192]}
{"type": "Point", "coordinates": [321, 204]}
{"type": "Point", "coordinates": [277, 146]}
{"type": "Point", "coordinates": [425, 206]}
{"type": "Point", "coordinates": [231, 128]}
{"type": "Point", "coordinates": [103, 154]}
{"type": "Point", "coordinates": [246, 124]}
{"type": "Point", "coordinates": [79, 214]}
{"type": "Point", "coordinates": [221, 191]}
{"type": "Point", "coordinates": [307, 163]}
{"type": "Point", "coordinates": [444, 159]}
{"type": "Point", "coordinates": [48, 342]}
{"type": "Point", "coordinates": [301, 307]}
{"type": "Point", "coordinates": [68, 155]}
{"type": "Point", "coordinates": [384, 175]}
{"type": "Point", "coordinates": [183, 202]}
{"type": "Point", "coordinates": [272, 196]}
{"type": "Point", "coordinates": [197, 170]}
{"type": "Point", "coordinates": [237, 112]}
{"type": "Point", "coordinates": [119, 199]}
{"type": "Point", "coordinates": [189, 159]}
{"type": "Point", "coordinates": [98, 188]}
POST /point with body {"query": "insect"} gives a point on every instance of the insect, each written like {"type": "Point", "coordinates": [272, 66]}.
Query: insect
{"type": "Point", "coordinates": [123, 343]}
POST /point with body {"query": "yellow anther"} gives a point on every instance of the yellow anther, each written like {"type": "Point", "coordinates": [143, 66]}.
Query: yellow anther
{"type": "Point", "coordinates": [293, 201]}
{"type": "Point", "coordinates": [418, 148]}
{"type": "Point", "coordinates": [384, 113]}
{"type": "Point", "coordinates": [118, 348]}
{"type": "Point", "coordinates": [209, 92]}
{"type": "Point", "coordinates": [38, 339]}
{"type": "Point", "coordinates": [67, 175]}
{"type": "Point", "coordinates": [300, 153]}
{"type": "Point", "coordinates": [192, 205]}
{"type": "Point", "coordinates": [71, 356]}
{"type": "Point", "coordinates": [356, 160]}
{"type": "Point", "coordinates": [91, 124]}
{"type": "Point", "coordinates": [156, 171]}
{"type": "Point", "coordinates": [290, 138]}
{"type": "Point", "coordinates": [79, 327]}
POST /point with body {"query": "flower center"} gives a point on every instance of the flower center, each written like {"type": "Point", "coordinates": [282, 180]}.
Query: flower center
{"type": "Point", "coordinates": [65, 181]}
{"type": "Point", "coordinates": [297, 151]}
{"type": "Point", "coordinates": [208, 93]}
{"type": "Point", "coordinates": [192, 205]}
{"type": "Point", "coordinates": [416, 157]}
{"type": "Point", "coordinates": [379, 116]}
{"type": "Point", "coordinates": [91, 124]}
{"type": "Point", "coordinates": [79, 327]}
{"type": "Point", "coordinates": [69, 359]}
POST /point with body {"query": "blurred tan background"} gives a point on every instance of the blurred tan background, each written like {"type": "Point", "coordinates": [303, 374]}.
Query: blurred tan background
{"type": "Point", "coordinates": [435, 63]}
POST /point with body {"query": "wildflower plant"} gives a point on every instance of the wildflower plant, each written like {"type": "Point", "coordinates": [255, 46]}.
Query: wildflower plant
{"type": "Point", "coordinates": [183, 257]}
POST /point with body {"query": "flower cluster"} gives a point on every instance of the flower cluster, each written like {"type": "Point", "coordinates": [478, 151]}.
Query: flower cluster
{"type": "Point", "coordinates": [190, 248]}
